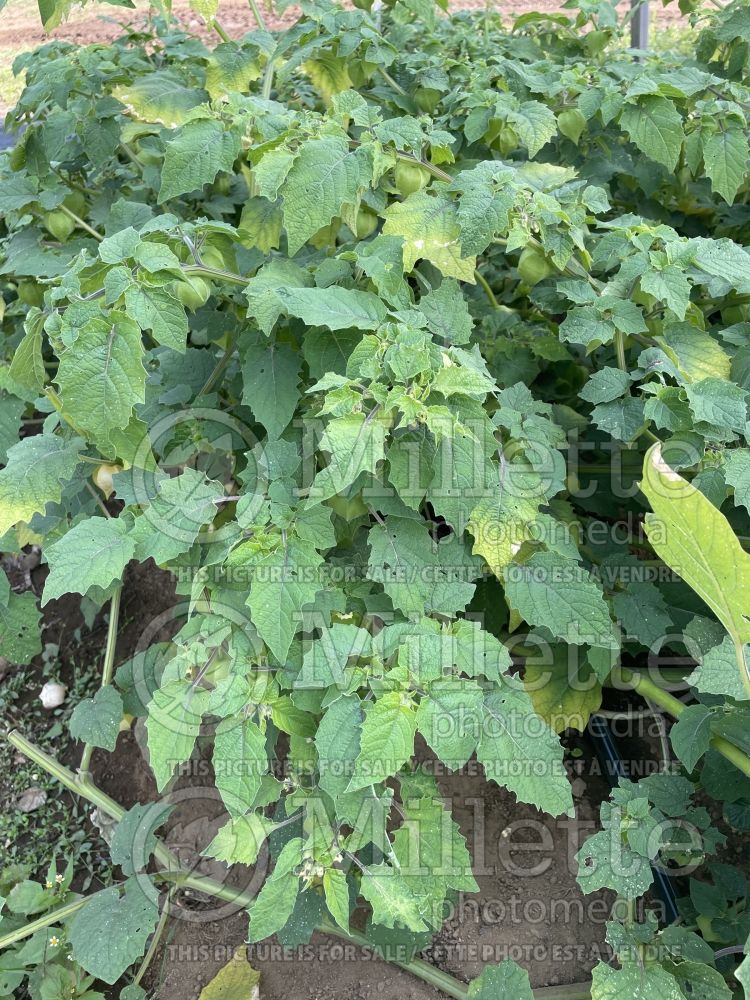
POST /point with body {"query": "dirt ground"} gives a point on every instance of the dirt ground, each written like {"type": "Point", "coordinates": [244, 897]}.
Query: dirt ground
{"type": "Point", "coordinates": [529, 907]}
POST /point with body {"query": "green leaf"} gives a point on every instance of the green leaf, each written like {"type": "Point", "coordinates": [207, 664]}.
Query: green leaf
{"type": "Point", "coordinates": [94, 553]}
{"type": "Point", "coordinates": [737, 475]}
{"type": "Point", "coordinates": [337, 742]}
{"type": "Point", "coordinates": [725, 156]}
{"type": "Point", "coordinates": [356, 443]}
{"type": "Point", "coordinates": [27, 367]}
{"type": "Point", "coordinates": [563, 697]}
{"type": "Point", "coordinates": [449, 718]}
{"type": "Point", "coordinates": [720, 403]}
{"type": "Point", "coordinates": [270, 376]}
{"type": "Point", "coordinates": [101, 376]}
{"type": "Point", "coordinates": [97, 720]}
{"type": "Point", "coordinates": [239, 762]}
{"type": "Point", "coordinates": [418, 574]}
{"type": "Point", "coordinates": [636, 982]}
{"type": "Point", "coordinates": [534, 124]}
{"type": "Point", "coordinates": [36, 470]}
{"type": "Point", "coordinates": [171, 522]}
{"type": "Point", "coordinates": [387, 740]}
{"type": "Point", "coordinates": [506, 981]}
{"type": "Point", "coordinates": [174, 720]}
{"type": "Point", "coordinates": [430, 230]}
{"type": "Point", "coordinates": [111, 930]}
{"type": "Point", "coordinates": [323, 178]}
{"type": "Point", "coordinates": [718, 673]}
{"type": "Point", "coordinates": [691, 734]}
{"type": "Point", "coordinates": [605, 862]}
{"type": "Point", "coordinates": [655, 126]}
{"type": "Point", "coordinates": [393, 902]}
{"type": "Point", "coordinates": [520, 751]}
{"type": "Point", "coordinates": [273, 906]}
{"type": "Point", "coordinates": [282, 583]}
{"type": "Point", "coordinates": [697, 542]}
{"type": "Point", "coordinates": [334, 308]}
{"type": "Point", "coordinates": [20, 634]}
{"type": "Point", "coordinates": [337, 896]}
{"type": "Point", "coordinates": [155, 308]}
{"type": "Point", "coordinates": [240, 839]}
{"type": "Point", "coordinates": [550, 591]}
{"type": "Point", "coordinates": [134, 839]}
{"type": "Point", "coordinates": [195, 155]}
{"type": "Point", "coordinates": [504, 519]}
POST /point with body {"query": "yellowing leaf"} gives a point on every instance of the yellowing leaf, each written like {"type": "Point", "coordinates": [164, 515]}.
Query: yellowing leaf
{"type": "Point", "coordinates": [697, 542]}
{"type": "Point", "coordinates": [430, 230]}
{"type": "Point", "coordinates": [238, 980]}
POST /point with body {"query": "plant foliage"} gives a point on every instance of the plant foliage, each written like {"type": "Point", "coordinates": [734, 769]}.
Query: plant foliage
{"type": "Point", "coordinates": [366, 331]}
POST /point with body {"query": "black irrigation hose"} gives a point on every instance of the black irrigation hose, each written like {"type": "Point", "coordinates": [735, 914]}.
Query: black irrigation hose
{"type": "Point", "coordinates": [613, 769]}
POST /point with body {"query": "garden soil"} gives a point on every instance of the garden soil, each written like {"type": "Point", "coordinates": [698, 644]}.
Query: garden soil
{"type": "Point", "coordinates": [529, 906]}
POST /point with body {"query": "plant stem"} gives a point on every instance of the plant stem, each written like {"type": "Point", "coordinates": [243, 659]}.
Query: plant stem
{"type": "Point", "coordinates": [441, 175]}
{"type": "Point", "coordinates": [422, 970]}
{"type": "Point", "coordinates": [46, 920]}
{"type": "Point", "coordinates": [81, 224]}
{"type": "Point", "coordinates": [214, 272]}
{"type": "Point", "coordinates": [647, 689]}
{"type": "Point", "coordinates": [219, 369]}
{"type": "Point", "coordinates": [487, 290]}
{"type": "Point", "coordinates": [52, 396]}
{"type": "Point", "coordinates": [260, 20]}
{"type": "Point", "coordinates": [107, 671]}
{"type": "Point", "coordinates": [219, 29]}
{"type": "Point", "coordinates": [620, 350]}
{"type": "Point", "coordinates": [391, 82]}
{"type": "Point", "coordinates": [156, 938]}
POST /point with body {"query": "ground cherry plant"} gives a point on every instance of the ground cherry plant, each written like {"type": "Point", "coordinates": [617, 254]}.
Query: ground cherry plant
{"type": "Point", "coordinates": [417, 349]}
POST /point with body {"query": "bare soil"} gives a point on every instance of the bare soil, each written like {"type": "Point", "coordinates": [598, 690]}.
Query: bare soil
{"type": "Point", "coordinates": [529, 906]}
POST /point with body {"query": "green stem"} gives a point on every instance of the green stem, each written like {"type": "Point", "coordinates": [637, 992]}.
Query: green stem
{"type": "Point", "coordinates": [107, 671]}
{"type": "Point", "coordinates": [620, 350]}
{"type": "Point", "coordinates": [81, 224]}
{"type": "Point", "coordinates": [441, 175]}
{"type": "Point", "coordinates": [156, 938]}
{"type": "Point", "coordinates": [391, 82]}
{"type": "Point", "coordinates": [215, 273]}
{"type": "Point", "coordinates": [53, 917]}
{"type": "Point", "coordinates": [52, 396]}
{"type": "Point", "coordinates": [647, 689]}
{"type": "Point", "coordinates": [422, 970]}
{"type": "Point", "coordinates": [219, 29]}
{"type": "Point", "coordinates": [260, 20]}
{"type": "Point", "coordinates": [219, 369]}
{"type": "Point", "coordinates": [487, 290]}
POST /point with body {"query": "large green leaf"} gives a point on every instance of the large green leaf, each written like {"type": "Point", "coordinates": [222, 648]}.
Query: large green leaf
{"type": "Point", "coordinates": [34, 476]}
{"type": "Point", "coordinates": [111, 930]}
{"type": "Point", "coordinates": [94, 553]}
